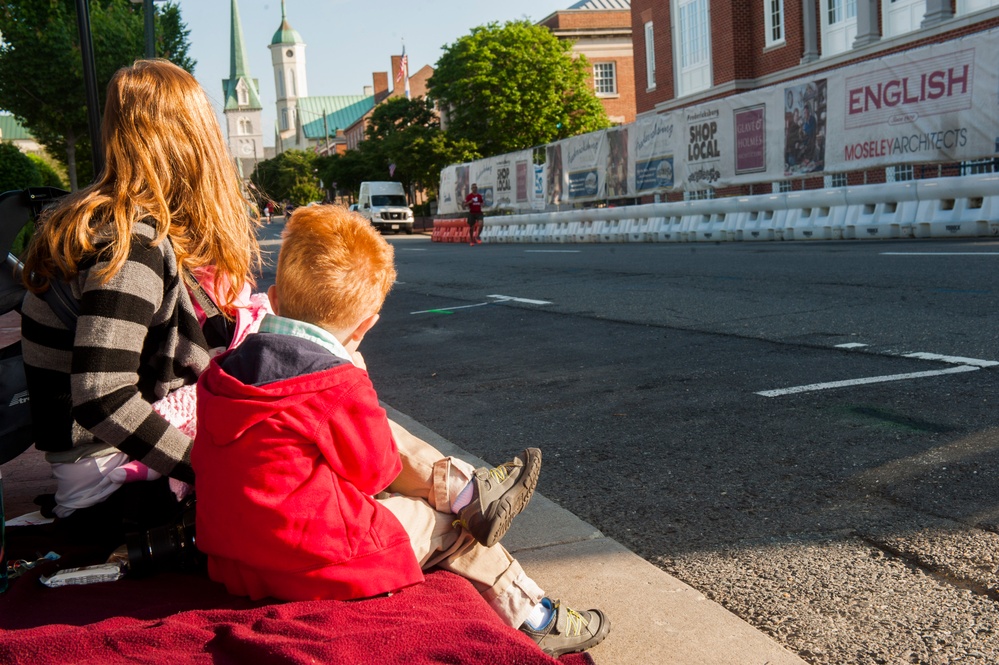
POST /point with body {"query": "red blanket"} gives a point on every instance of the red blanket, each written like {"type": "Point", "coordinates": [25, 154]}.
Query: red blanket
{"type": "Point", "coordinates": [178, 618]}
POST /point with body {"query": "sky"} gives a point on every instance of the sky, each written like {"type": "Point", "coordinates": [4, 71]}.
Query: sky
{"type": "Point", "coordinates": [346, 40]}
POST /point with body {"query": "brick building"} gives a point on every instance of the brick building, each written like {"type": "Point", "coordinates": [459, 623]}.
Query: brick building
{"type": "Point", "coordinates": [691, 51]}
{"type": "Point", "coordinates": [379, 91]}
{"type": "Point", "coordinates": [602, 31]}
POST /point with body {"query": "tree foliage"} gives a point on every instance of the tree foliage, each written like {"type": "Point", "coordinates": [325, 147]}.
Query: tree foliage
{"type": "Point", "coordinates": [514, 86]}
{"type": "Point", "coordinates": [41, 68]}
{"type": "Point", "coordinates": [291, 176]}
{"type": "Point", "coordinates": [17, 171]}
{"type": "Point", "coordinates": [405, 133]}
{"type": "Point", "coordinates": [49, 176]}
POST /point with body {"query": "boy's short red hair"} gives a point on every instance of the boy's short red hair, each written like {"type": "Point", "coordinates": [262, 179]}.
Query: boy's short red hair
{"type": "Point", "coordinates": [334, 268]}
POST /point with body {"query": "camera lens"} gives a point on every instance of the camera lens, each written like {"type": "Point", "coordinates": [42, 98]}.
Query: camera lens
{"type": "Point", "coordinates": [169, 547]}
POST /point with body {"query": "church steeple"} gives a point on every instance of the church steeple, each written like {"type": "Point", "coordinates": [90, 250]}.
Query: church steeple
{"type": "Point", "coordinates": [242, 108]}
{"type": "Point", "coordinates": [288, 58]}
{"type": "Point", "coordinates": [236, 96]}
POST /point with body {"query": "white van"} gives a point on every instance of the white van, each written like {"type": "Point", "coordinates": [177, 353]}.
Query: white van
{"type": "Point", "coordinates": [384, 204]}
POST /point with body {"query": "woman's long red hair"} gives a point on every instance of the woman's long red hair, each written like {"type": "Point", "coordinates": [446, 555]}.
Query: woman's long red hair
{"type": "Point", "coordinates": [165, 158]}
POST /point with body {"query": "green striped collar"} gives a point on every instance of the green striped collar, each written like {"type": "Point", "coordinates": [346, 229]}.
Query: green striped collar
{"type": "Point", "coordinates": [284, 326]}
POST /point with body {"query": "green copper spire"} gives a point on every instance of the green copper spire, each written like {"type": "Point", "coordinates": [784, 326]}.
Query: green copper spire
{"type": "Point", "coordinates": [239, 70]}
{"type": "Point", "coordinates": [286, 34]}
{"type": "Point", "coordinates": [237, 51]}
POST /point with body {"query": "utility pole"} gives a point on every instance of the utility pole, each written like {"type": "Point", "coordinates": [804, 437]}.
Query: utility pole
{"type": "Point", "coordinates": [326, 130]}
{"type": "Point", "coordinates": [90, 84]}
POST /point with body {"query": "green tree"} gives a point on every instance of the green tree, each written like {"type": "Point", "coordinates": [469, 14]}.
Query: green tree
{"type": "Point", "coordinates": [514, 86]}
{"type": "Point", "coordinates": [49, 176]}
{"type": "Point", "coordinates": [17, 171]}
{"type": "Point", "coordinates": [403, 132]}
{"type": "Point", "coordinates": [41, 69]}
{"type": "Point", "coordinates": [291, 176]}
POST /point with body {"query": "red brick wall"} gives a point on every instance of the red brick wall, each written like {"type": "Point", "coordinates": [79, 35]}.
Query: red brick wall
{"type": "Point", "coordinates": [588, 19]}
{"type": "Point", "coordinates": [738, 44]}
{"type": "Point", "coordinates": [657, 11]}
{"type": "Point", "coordinates": [622, 107]}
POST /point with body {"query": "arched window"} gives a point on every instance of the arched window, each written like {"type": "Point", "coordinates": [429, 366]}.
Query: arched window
{"type": "Point", "coordinates": [280, 83]}
{"type": "Point", "coordinates": [244, 97]}
{"type": "Point", "coordinates": [291, 82]}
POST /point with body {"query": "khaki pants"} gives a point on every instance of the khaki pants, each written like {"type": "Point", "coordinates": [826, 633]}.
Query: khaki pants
{"type": "Point", "coordinates": [422, 504]}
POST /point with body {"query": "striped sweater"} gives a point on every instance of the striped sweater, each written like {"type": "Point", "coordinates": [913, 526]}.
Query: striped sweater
{"type": "Point", "coordinates": [137, 339]}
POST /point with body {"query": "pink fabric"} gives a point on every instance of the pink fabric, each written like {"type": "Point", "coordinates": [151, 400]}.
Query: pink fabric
{"type": "Point", "coordinates": [173, 618]}
{"type": "Point", "coordinates": [249, 308]}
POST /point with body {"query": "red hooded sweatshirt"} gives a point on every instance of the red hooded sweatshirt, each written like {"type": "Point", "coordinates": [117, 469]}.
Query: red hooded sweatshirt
{"type": "Point", "coordinates": [291, 447]}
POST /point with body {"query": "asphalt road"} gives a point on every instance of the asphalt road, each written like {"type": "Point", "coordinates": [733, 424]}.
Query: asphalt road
{"type": "Point", "coordinates": [856, 522]}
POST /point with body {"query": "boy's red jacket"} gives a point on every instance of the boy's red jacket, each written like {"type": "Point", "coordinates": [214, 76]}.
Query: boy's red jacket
{"type": "Point", "coordinates": [286, 464]}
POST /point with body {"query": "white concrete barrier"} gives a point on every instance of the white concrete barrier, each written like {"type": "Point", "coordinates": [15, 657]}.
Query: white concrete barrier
{"type": "Point", "coordinates": [942, 207]}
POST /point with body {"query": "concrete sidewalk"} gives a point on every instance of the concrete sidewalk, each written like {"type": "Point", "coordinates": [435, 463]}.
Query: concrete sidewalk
{"type": "Point", "coordinates": [655, 618]}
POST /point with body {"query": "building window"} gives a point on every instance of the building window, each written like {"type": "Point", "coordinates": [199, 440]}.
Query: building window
{"type": "Point", "coordinates": [605, 78]}
{"type": "Point", "coordinates": [698, 194]}
{"type": "Point", "coordinates": [284, 118]}
{"type": "Point", "coordinates": [902, 16]}
{"type": "Point", "coordinates": [244, 97]}
{"type": "Point", "coordinates": [280, 82]}
{"type": "Point", "coordinates": [834, 180]}
{"type": "Point", "coordinates": [692, 42]}
{"type": "Point", "coordinates": [899, 173]}
{"type": "Point", "coordinates": [968, 6]}
{"type": "Point", "coordinates": [978, 166]}
{"type": "Point", "coordinates": [650, 57]}
{"type": "Point", "coordinates": [781, 186]}
{"type": "Point", "coordinates": [839, 26]}
{"type": "Point", "coordinates": [291, 82]}
{"type": "Point", "coordinates": [774, 11]}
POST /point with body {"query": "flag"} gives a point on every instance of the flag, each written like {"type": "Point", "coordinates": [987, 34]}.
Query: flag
{"type": "Point", "coordinates": [403, 66]}
{"type": "Point", "coordinates": [403, 74]}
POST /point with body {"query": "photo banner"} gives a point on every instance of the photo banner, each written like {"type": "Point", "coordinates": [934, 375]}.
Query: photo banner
{"type": "Point", "coordinates": [483, 174]}
{"type": "Point", "coordinates": [653, 145]}
{"type": "Point", "coordinates": [555, 180]}
{"type": "Point", "coordinates": [932, 104]}
{"type": "Point", "coordinates": [584, 161]}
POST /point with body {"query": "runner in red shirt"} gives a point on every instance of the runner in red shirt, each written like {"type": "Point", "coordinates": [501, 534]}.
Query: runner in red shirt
{"type": "Point", "coordinates": [474, 202]}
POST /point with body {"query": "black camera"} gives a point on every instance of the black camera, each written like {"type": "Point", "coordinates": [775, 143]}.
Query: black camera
{"type": "Point", "coordinates": [163, 548]}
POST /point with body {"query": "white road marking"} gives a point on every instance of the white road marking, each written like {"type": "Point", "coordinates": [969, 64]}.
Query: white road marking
{"type": "Point", "coordinates": [851, 345]}
{"type": "Point", "coordinates": [551, 251]}
{"type": "Point", "coordinates": [270, 243]}
{"type": "Point", "coordinates": [523, 300]}
{"type": "Point", "coordinates": [954, 360]}
{"type": "Point", "coordinates": [438, 310]}
{"type": "Point", "coordinates": [870, 379]}
{"type": "Point", "coordinates": [412, 249]}
{"type": "Point", "coordinates": [939, 253]}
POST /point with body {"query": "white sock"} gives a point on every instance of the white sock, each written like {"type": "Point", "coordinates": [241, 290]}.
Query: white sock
{"type": "Point", "coordinates": [464, 498]}
{"type": "Point", "coordinates": [540, 615]}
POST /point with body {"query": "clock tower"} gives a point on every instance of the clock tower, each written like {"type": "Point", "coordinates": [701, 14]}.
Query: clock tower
{"type": "Point", "coordinates": [242, 110]}
{"type": "Point", "coordinates": [288, 59]}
